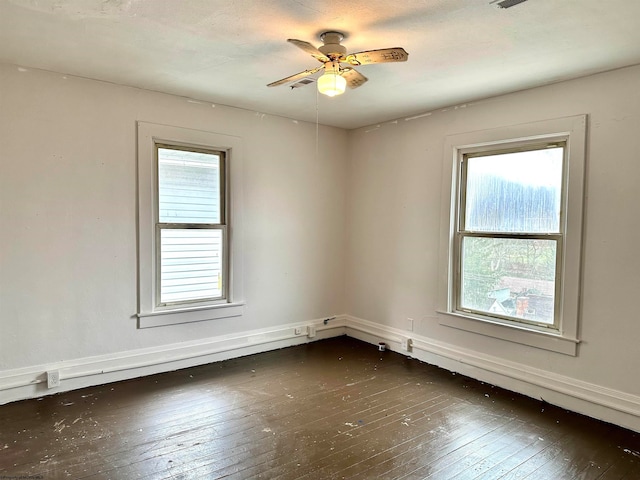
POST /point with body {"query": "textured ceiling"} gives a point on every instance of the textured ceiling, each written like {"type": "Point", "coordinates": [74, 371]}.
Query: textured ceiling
{"type": "Point", "coordinates": [227, 51]}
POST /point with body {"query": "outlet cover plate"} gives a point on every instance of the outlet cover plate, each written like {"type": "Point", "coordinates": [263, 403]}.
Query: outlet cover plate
{"type": "Point", "coordinates": [53, 378]}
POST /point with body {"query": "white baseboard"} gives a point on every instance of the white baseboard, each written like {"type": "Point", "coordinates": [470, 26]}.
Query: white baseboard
{"type": "Point", "coordinates": [606, 404]}
{"type": "Point", "coordinates": [595, 401]}
{"type": "Point", "coordinates": [78, 373]}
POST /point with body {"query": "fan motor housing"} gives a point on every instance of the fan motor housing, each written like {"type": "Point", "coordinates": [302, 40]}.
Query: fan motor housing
{"type": "Point", "coordinates": [332, 45]}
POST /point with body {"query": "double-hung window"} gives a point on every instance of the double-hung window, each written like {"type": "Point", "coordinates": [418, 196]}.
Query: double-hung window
{"type": "Point", "coordinates": [189, 225]}
{"type": "Point", "coordinates": [512, 233]}
{"type": "Point", "coordinates": [508, 241]}
{"type": "Point", "coordinates": [191, 228]}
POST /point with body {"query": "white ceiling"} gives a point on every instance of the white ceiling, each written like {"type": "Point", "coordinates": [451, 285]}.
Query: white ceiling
{"type": "Point", "coordinates": [227, 51]}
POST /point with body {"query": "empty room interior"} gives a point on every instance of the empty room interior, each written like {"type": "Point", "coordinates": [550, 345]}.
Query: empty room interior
{"type": "Point", "coordinates": [319, 239]}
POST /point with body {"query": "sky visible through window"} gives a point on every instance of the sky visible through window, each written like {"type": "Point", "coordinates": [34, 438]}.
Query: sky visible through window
{"type": "Point", "coordinates": [514, 192]}
{"type": "Point", "coordinates": [535, 167]}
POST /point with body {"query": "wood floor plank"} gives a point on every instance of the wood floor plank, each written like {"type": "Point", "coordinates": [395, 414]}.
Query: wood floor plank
{"type": "Point", "coordinates": [366, 441]}
{"type": "Point", "coordinates": [331, 409]}
{"type": "Point", "coordinates": [509, 448]}
{"type": "Point", "coordinates": [451, 452]}
{"type": "Point", "coordinates": [393, 451]}
{"type": "Point", "coordinates": [402, 456]}
{"type": "Point", "coordinates": [539, 440]}
{"type": "Point", "coordinates": [621, 468]}
{"type": "Point", "coordinates": [329, 430]}
{"type": "Point", "coordinates": [469, 460]}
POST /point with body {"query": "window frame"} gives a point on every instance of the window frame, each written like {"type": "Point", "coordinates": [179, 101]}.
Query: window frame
{"type": "Point", "coordinates": [221, 225]}
{"type": "Point", "coordinates": [151, 312]}
{"type": "Point", "coordinates": [563, 336]}
{"type": "Point", "coordinates": [462, 232]}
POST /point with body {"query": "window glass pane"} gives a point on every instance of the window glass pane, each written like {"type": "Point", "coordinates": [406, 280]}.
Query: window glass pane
{"type": "Point", "coordinates": [188, 187]}
{"type": "Point", "coordinates": [190, 264]}
{"type": "Point", "coordinates": [514, 192]}
{"type": "Point", "coordinates": [509, 277]}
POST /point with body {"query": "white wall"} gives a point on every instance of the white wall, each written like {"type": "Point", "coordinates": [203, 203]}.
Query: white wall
{"type": "Point", "coordinates": [68, 218]}
{"type": "Point", "coordinates": [353, 232]}
{"type": "Point", "coordinates": [394, 203]}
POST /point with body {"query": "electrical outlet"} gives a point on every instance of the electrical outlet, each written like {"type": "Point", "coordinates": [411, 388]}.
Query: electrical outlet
{"type": "Point", "coordinates": [405, 344]}
{"type": "Point", "coordinates": [53, 378]}
{"type": "Point", "coordinates": [311, 332]}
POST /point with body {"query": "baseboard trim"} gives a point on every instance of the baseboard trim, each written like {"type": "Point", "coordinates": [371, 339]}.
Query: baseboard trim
{"type": "Point", "coordinates": [31, 382]}
{"type": "Point", "coordinates": [596, 401]}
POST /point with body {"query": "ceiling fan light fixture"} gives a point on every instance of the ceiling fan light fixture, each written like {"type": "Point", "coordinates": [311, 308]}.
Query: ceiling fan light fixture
{"type": "Point", "coordinates": [332, 54]}
{"type": "Point", "coordinates": [332, 84]}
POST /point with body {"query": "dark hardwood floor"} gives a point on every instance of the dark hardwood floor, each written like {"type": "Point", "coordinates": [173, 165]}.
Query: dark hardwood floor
{"type": "Point", "coordinates": [332, 409]}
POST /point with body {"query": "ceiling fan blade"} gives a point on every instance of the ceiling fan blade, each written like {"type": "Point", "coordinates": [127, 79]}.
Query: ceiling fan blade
{"type": "Point", "coordinates": [384, 55]}
{"type": "Point", "coordinates": [295, 77]}
{"type": "Point", "coordinates": [353, 77]}
{"type": "Point", "coordinates": [310, 49]}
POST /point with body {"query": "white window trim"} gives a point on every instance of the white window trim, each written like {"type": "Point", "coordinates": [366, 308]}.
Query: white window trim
{"type": "Point", "coordinates": [149, 314]}
{"type": "Point", "coordinates": [573, 129]}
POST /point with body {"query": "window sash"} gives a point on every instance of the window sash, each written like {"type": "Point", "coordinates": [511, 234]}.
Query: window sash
{"type": "Point", "coordinates": [224, 268]}
{"type": "Point", "coordinates": [460, 233]}
{"type": "Point", "coordinates": [462, 183]}
{"type": "Point", "coordinates": [222, 187]}
{"type": "Point", "coordinates": [222, 226]}
{"type": "Point", "coordinates": [458, 278]}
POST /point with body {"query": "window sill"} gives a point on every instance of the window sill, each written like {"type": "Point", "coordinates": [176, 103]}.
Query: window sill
{"type": "Point", "coordinates": [177, 316]}
{"type": "Point", "coordinates": [551, 341]}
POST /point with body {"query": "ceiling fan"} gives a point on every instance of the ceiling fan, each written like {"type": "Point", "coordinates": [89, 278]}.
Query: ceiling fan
{"type": "Point", "coordinates": [332, 55]}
